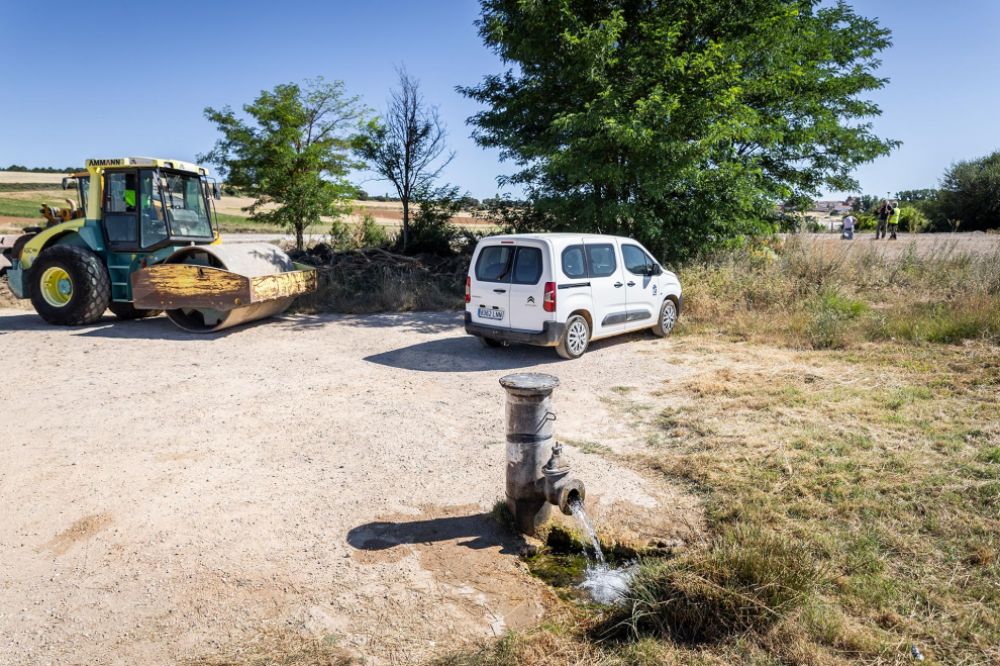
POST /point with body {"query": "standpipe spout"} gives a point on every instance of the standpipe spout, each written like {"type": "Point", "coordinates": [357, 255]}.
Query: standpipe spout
{"type": "Point", "coordinates": [560, 488]}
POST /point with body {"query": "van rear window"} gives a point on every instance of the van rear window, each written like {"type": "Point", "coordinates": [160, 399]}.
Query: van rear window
{"type": "Point", "coordinates": [493, 264]}
{"type": "Point", "coordinates": [527, 265]}
{"type": "Point", "coordinates": [574, 264]}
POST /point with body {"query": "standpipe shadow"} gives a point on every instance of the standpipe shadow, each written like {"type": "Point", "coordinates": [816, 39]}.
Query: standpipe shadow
{"type": "Point", "coordinates": [475, 531]}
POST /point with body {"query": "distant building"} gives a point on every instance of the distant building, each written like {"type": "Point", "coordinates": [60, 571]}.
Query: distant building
{"type": "Point", "coordinates": [833, 207]}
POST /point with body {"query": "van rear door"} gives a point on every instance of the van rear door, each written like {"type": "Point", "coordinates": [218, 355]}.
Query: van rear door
{"type": "Point", "coordinates": [489, 284]}
{"type": "Point", "coordinates": [528, 275]}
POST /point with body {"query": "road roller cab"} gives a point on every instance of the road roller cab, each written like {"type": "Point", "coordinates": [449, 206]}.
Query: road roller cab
{"type": "Point", "coordinates": [137, 214]}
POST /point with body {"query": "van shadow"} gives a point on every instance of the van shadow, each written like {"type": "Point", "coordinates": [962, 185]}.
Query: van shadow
{"type": "Point", "coordinates": [463, 354]}
{"type": "Point", "coordinates": [476, 531]}
{"type": "Point", "coordinates": [430, 322]}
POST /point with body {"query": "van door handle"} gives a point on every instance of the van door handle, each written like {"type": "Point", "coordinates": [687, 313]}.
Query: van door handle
{"type": "Point", "coordinates": [499, 291]}
{"type": "Point", "coordinates": [617, 284]}
{"type": "Point", "coordinates": [631, 284]}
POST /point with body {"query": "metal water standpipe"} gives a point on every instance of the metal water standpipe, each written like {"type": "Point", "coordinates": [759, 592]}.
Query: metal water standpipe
{"type": "Point", "coordinates": [537, 476]}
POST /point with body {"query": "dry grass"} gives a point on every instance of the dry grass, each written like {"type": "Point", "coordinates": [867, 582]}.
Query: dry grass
{"type": "Point", "coordinates": [803, 294]}
{"type": "Point", "coordinates": [880, 465]}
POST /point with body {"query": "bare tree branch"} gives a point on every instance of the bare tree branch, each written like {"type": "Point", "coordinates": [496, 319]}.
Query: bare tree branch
{"type": "Point", "coordinates": [408, 147]}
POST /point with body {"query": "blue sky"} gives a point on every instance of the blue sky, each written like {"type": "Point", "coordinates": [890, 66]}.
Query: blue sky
{"type": "Point", "coordinates": [131, 78]}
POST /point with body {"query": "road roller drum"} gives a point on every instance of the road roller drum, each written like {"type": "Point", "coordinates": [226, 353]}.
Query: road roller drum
{"type": "Point", "coordinates": [207, 288]}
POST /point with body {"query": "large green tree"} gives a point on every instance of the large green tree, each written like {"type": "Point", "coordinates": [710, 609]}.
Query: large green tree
{"type": "Point", "coordinates": [291, 152]}
{"type": "Point", "coordinates": [683, 122]}
{"type": "Point", "coordinates": [969, 195]}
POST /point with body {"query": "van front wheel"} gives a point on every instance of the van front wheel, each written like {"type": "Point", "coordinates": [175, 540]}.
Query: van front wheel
{"type": "Point", "coordinates": [576, 339]}
{"type": "Point", "coordinates": [668, 319]}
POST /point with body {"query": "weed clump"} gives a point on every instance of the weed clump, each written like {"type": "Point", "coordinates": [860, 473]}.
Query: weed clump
{"type": "Point", "coordinates": [831, 311]}
{"type": "Point", "coordinates": [746, 581]}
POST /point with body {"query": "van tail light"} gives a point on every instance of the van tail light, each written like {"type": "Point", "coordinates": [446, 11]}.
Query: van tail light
{"type": "Point", "coordinates": [549, 302]}
{"type": "Point", "coordinates": [468, 288]}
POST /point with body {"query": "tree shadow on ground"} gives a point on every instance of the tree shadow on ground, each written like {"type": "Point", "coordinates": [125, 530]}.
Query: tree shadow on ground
{"type": "Point", "coordinates": [475, 531]}
{"type": "Point", "coordinates": [463, 354]}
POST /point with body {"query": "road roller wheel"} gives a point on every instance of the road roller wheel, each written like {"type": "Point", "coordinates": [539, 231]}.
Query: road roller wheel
{"type": "Point", "coordinates": [126, 311]}
{"type": "Point", "coordinates": [69, 286]}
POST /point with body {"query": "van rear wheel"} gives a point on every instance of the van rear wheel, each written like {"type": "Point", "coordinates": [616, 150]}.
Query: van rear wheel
{"type": "Point", "coordinates": [576, 339]}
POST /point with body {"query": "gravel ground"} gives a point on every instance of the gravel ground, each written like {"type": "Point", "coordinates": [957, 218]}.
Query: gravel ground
{"type": "Point", "coordinates": [168, 496]}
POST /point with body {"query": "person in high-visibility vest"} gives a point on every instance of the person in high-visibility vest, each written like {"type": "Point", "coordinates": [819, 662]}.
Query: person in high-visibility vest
{"type": "Point", "coordinates": [894, 220]}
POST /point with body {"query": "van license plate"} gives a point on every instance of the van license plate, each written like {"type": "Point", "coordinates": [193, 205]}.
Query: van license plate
{"type": "Point", "coordinates": [490, 313]}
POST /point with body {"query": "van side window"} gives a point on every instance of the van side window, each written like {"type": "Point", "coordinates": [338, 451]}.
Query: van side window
{"type": "Point", "coordinates": [636, 261]}
{"type": "Point", "coordinates": [493, 264]}
{"type": "Point", "coordinates": [602, 260]}
{"type": "Point", "coordinates": [574, 264]}
{"type": "Point", "coordinates": [527, 265]}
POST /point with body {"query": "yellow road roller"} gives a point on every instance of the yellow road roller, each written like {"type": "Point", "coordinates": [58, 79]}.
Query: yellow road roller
{"type": "Point", "coordinates": [144, 238]}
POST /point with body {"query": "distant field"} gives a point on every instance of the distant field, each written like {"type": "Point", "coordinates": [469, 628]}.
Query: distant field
{"type": "Point", "coordinates": [23, 177]}
{"type": "Point", "coordinates": [20, 206]}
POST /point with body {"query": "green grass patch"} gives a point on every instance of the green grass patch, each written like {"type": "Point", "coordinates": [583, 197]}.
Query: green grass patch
{"type": "Point", "coordinates": [10, 207]}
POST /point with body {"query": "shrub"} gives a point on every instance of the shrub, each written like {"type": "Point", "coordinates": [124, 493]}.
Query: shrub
{"type": "Point", "coordinates": [913, 220]}
{"type": "Point", "coordinates": [431, 231]}
{"type": "Point", "coordinates": [866, 222]}
{"type": "Point", "coordinates": [371, 234]}
{"type": "Point", "coordinates": [341, 237]}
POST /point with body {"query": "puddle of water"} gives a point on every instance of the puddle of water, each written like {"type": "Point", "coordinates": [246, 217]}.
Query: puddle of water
{"type": "Point", "coordinates": [606, 584]}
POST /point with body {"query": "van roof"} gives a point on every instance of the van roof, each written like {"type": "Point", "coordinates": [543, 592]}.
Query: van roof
{"type": "Point", "coordinates": [556, 236]}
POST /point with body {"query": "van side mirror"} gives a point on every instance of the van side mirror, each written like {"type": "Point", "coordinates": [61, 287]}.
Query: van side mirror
{"type": "Point", "coordinates": [216, 191]}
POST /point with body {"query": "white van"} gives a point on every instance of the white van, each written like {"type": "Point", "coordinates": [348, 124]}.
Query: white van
{"type": "Point", "coordinates": [564, 290]}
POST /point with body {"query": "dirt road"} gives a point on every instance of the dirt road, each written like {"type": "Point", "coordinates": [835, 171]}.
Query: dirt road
{"type": "Point", "coordinates": [167, 496]}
